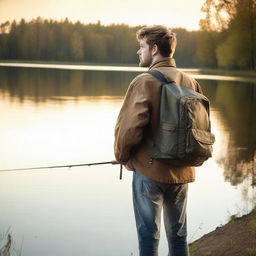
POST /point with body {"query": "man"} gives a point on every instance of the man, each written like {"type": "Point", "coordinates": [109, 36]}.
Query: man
{"type": "Point", "coordinates": [156, 185]}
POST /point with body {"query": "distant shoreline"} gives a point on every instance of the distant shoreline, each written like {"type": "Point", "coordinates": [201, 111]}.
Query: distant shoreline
{"type": "Point", "coordinates": [226, 72]}
{"type": "Point", "coordinates": [198, 73]}
{"type": "Point", "coordinates": [82, 66]}
{"type": "Point", "coordinates": [70, 63]}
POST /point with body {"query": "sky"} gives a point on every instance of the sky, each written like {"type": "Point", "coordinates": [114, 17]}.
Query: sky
{"type": "Point", "coordinates": [172, 13]}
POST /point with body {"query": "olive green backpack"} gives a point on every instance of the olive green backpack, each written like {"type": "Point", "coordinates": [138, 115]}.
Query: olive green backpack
{"type": "Point", "coordinates": [183, 136]}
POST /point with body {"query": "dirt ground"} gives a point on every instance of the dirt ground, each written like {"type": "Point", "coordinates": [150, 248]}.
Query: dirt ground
{"type": "Point", "coordinates": [236, 238]}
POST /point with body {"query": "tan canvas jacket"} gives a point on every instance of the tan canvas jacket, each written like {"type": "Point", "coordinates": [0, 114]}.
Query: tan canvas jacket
{"type": "Point", "coordinates": [141, 108]}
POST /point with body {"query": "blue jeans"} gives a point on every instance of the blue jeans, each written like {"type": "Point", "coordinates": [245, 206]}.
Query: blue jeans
{"type": "Point", "coordinates": [149, 197]}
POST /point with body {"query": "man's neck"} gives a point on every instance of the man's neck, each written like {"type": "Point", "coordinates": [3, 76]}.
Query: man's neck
{"type": "Point", "coordinates": [157, 58]}
{"type": "Point", "coordinates": [167, 61]}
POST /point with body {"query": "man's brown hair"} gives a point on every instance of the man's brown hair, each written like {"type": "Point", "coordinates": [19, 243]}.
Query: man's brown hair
{"type": "Point", "coordinates": [163, 37]}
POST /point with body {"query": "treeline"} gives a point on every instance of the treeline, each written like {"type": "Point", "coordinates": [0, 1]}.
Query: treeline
{"type": "Point", "coordinates": [227, 39]}
{"type": "Point", "coordinates": [49, 40]}
{"type": "Point", "coordinates": [228, 36]}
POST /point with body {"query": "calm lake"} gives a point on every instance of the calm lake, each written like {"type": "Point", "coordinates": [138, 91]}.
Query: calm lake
{"type": "Point", "coordinates": [55, 115]}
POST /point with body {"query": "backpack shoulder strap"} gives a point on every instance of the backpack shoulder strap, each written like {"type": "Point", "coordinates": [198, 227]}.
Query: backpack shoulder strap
{"type": "Point", "coordinates": [158, 75]}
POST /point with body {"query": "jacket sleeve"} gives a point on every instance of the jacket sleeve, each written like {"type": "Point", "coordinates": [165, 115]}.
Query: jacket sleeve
{"type": "Point", "coordinates": [133, 117]}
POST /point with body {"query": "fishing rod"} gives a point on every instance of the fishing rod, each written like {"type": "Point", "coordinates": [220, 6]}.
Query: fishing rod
{"type": "Point", "coordinates": [65, 166]}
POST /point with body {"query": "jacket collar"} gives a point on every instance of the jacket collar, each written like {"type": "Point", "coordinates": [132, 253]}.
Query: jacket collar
{"type": "Point", "coordinates": [165, 62]}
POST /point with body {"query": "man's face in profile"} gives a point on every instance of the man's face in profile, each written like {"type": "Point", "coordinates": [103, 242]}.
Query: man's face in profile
{"type": "Point", "coordinates": [145, 53]}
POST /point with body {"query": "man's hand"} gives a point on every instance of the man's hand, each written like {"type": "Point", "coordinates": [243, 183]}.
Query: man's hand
{"type": "Point", "coordinates": [128, 167]}
{"type": "Point", "coordinates": [115, 162]}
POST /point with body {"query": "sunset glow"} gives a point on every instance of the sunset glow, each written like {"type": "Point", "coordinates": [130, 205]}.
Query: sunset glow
{"type": "Point", "coordinates": [177, 13]}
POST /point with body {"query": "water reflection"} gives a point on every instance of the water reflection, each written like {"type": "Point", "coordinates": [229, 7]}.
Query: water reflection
{"type": "Point", "coordinates": [51, 121]}
{"type": "Point", "coordinates": [39, 85]}
{"type": "Point", "coordinates": [234, 105]}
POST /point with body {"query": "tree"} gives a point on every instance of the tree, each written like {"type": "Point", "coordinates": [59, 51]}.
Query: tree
{"type": "Point", "coordinates": [218, 14]}
{"type": "Point", "coordinates": [206, 49]}
{"type": "Point", "coordinates": [13, 41]}
{"type": "Point", "coordinates": [51, 40]}
{"type": "Point", "coordinates": [77, 47]}
{"type": "Point", "coordinates": [187, 44]}
{"type": "Point", "coordinates": [236, 20]}
{"type": "Point", "coordinates": [4, 29]}
{"type": "Point", "coordinates": [239, 48]}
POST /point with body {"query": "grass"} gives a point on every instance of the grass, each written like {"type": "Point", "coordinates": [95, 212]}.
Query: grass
{"type": "Point", "coordinates": [252, 225]}
{"type": "Point", "coordinates": [233, 218]}
{"type": "Point", "coordinates": [8, 245]}
{"type": "Point", "coordinates": [250, 252]}
{"type": "Point", "coordinates": [193, 248]}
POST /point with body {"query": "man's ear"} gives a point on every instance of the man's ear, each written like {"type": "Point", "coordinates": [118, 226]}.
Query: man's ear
{"type": "Point", "coordinates": [155, 50]}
